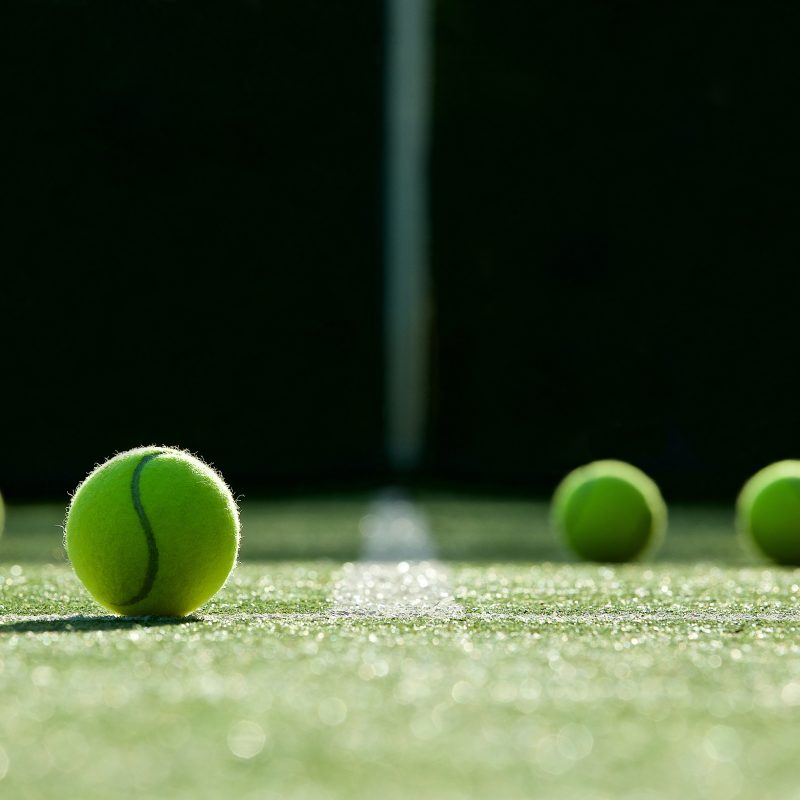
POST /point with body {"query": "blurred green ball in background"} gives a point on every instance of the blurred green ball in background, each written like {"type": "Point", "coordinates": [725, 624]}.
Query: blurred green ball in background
{"type": "Point", "coordinates": [768, 512]}
{"type": "Point", "coordinates": [609, 511]}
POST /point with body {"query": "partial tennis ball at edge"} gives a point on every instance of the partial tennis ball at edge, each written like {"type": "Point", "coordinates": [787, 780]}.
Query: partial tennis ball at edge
{"type": "Point", "coordinates": [152, 531]}
{"type": "Point", "coordinates": [609, 511]}
{"type": "Point", "coordinates": [768, 512]}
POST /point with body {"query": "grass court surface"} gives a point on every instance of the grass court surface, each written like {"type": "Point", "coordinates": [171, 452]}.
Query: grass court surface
{"type": "Point", "coordinates": [518, 673]}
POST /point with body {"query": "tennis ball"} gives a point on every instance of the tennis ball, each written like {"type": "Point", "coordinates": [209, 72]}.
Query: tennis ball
{"type": "Point", "coordinates": [609, 511]}
{"type": "Point", "coordinates": [152, 531]}
{"type": "Point", "coordinates": [768, 512]}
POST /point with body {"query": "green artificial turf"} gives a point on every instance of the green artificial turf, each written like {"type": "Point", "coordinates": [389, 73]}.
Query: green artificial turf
{"type": "Point", "coordinates": [545, 678]}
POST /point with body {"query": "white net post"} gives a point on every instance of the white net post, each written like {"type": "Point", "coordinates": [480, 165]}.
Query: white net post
{"type": "Point", "coordinates": [407, 303]}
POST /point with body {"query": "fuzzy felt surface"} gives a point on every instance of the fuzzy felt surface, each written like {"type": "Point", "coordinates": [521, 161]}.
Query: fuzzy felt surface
{"type": "Point", "coordinates": [153, 531]}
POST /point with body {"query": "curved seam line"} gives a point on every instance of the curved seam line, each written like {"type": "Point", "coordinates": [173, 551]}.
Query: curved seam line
{"type": "Point", "coordinates": [152, 547]}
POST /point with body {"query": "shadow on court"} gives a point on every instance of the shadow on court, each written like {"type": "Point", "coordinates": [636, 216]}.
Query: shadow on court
{"type": "Point", "coordinates": [79, 624]}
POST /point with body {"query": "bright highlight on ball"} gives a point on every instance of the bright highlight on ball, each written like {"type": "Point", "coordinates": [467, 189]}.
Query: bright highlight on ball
{"type": "Point", "coordinates": [152, 531]}
{"type": "Point", "coordinates": [768, 512]}
{"type": "Point", "coordinates": [609, 511]}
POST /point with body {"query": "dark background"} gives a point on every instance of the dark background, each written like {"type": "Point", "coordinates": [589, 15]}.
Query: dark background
{"type": "Point", "coordinates": [191, 247]}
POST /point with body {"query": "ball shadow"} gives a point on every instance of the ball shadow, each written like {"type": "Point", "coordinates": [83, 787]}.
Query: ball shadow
{"type": "Point", "coordinates": [79, 623]}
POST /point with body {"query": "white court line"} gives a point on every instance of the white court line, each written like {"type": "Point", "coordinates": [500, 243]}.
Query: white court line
{"type": "Point", "coordinates": [454, 611]}
{"type": "Point", "coordinates": [442, 611]}
{"type": "Point", "coordinates": [397, 575]}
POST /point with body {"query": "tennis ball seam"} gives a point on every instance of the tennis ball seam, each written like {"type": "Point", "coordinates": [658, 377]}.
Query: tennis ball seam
{"type": "Point", "coordinates": [152, 545]}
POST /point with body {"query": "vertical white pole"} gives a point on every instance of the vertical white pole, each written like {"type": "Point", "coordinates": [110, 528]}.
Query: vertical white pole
{"type": "Point", "coordinates": [408, 87]}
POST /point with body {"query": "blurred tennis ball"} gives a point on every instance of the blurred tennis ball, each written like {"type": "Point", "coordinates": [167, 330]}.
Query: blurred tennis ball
{"type": "Point", "coordinates": [153, 530]}
{"type": "Point", "coordinates": [609, 511]}
{"type": "Point", "coordinates": [768, 512]}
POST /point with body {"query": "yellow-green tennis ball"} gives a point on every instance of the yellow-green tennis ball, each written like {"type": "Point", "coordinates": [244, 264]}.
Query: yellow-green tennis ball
{"type": "Point", "coordinates": [609, 511]}
{"type": "Point", "coordinates": [768, 512]}
{"type": "Point", "coordinates": [153, 530]}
